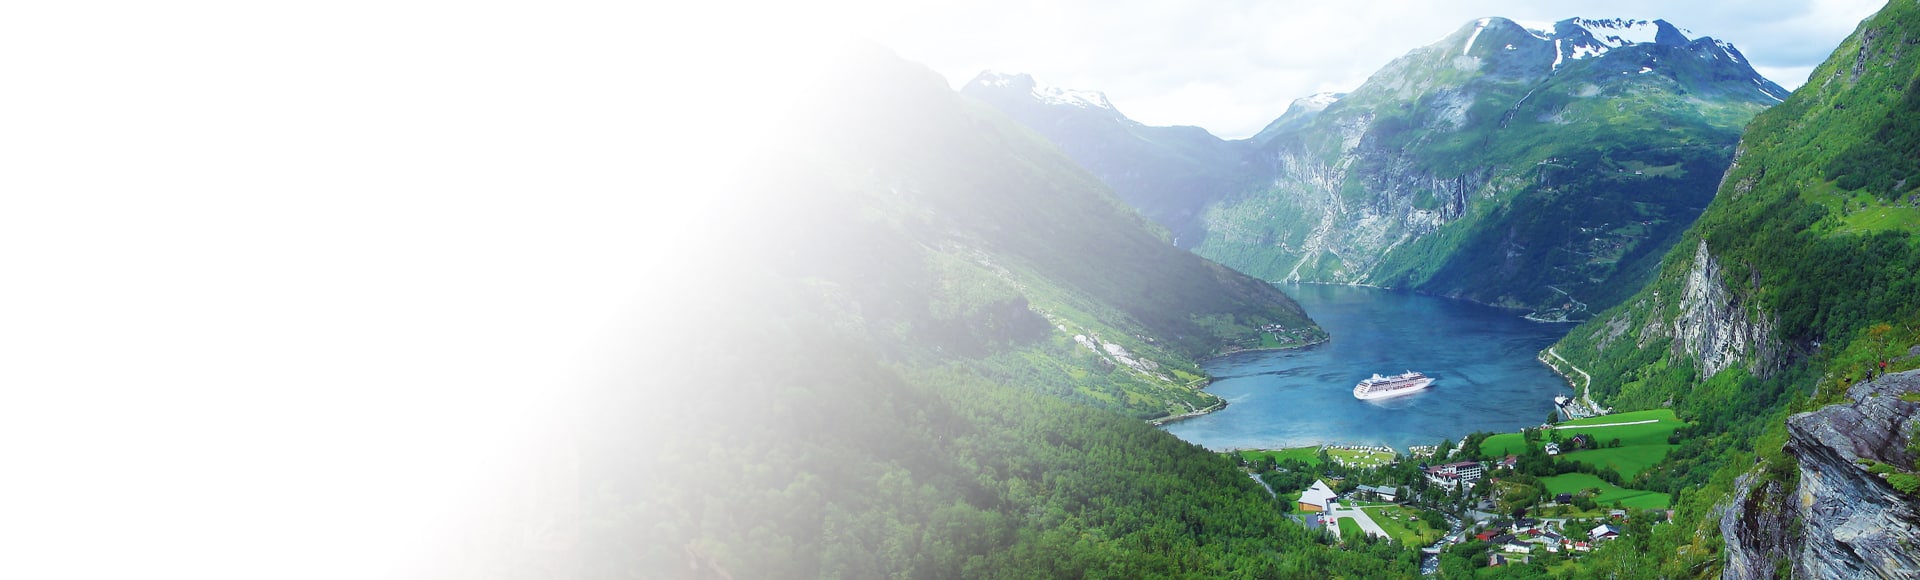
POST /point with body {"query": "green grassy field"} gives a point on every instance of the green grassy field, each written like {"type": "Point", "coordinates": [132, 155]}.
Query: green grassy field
{"type": "Point", "coordinates": [1398, 523]}
{"type": "Point", "coordinates": [1307, 454]}
{"type": "Point", "coordinates": [1609, 493]}
{"type": "Point", "coordinates": [1351, 529]}
{"type": "Point", "coordinates": [1641, 445]}
{"type": "Point", "coordinates": [1629, 461]}
{"type": "Point", "coordinates": [1627, 417]}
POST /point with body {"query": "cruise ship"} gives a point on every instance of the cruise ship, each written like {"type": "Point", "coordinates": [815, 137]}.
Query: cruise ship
{"type": "Point", "coordinates": [1380, 387]}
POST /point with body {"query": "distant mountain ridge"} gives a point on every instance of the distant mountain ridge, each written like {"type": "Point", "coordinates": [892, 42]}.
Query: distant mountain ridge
{"type": "Point", "coordinates": [1531, 166]}
{"type": "Point", "coordinates": [1169, 173]}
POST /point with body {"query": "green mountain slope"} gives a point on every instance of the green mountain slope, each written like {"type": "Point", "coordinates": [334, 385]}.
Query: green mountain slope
{"type": "Point", "coordinates": [1169, 173]}
{"type": "Point", "coordinates": [874, 372]}
{"type": "Point", "coordinates": [985, 242]}
{"type": "Point", "coordinates": [1796, 284]}
{"type": "Point", "coordinates": [1525, 168]}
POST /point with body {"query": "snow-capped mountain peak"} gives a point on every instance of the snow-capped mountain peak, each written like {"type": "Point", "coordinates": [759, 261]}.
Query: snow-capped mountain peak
{"type": "Point", "coordinates": [1319, 100]}
{"type": "Point", "coordinates": [1073, 97]}
{"type": "Point", "coordinates": [1042, 93]}
{"type": "Point", "coordinates": [999, 79]}
{"type": "Point", "coordinates": [1618, 32]}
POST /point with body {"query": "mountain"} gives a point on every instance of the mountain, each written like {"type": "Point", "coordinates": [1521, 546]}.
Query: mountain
{"type": "Point", "coordinates": [984, 242]}
{"type": "Point", "coordinates": [1169, 173]}
{"type": "Point", "coordinates": [1543, 167]}
{"type": "Point", "coordinates": [920, 343]}
{"type": "Point", "coordinates": [1298, 113]}
{"type": "Point", "coordinates": [1529, 167]}
{"type": "Point", "coordinates": [1780, 328]}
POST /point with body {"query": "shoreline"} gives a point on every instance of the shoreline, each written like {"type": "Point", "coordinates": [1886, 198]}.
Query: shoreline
{"type": "Point", "coordinates": [1224, 354]}
{"type": "Point", "coordinates": [1182, 417]}
{"type": "Point", "coordinates": [1223, 402]}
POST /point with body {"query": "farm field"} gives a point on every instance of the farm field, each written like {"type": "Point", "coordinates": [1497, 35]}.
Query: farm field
{"type": "Point", "coordinates": [1609, 493]}
{"type": "Point", "coordinates": [1641, 444]}
{"type": "Point", "coordinates": [1629, 461]}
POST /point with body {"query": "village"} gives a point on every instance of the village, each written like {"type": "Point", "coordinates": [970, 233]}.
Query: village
{"type": "Point", "coordinates": [1547, 495]}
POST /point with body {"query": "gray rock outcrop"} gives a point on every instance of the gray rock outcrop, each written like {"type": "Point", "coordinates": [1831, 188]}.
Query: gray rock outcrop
{"type": "Point", "coordinates": [1715, 329]}
{"type": "Point", "coordinates": [1840, 521]}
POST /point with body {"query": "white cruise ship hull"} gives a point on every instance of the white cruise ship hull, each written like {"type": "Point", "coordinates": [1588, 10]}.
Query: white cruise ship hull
{"type": "Point", "coordinates": [1414, 387]}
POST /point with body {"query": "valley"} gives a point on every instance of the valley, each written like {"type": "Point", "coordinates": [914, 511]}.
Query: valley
{"type": "Point", "coordinates": [1007, 331]}
{"type": "Point", "coordinates": [1540, 169]}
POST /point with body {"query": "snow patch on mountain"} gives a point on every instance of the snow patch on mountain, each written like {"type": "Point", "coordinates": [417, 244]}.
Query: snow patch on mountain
{"type": "Point", "coordinates": [1581, 51]}
{"type": "Point", "coordinates": [1727, 47]}
{"type": "Point", "coordinates": [994, 79]}
{"type": "Point", "coordinates": [1769, 90]}
{"type": "Point", "coordinates": [1074, 97]}
{"type": "Point", "coordinates": [1042, 93]}
{"type": "Point", "coordinates": [1618, 32]}
{"type": "Point", "coordinates": [1321, 100]}
{"type": "Point", "coordinates": [1478, 26]}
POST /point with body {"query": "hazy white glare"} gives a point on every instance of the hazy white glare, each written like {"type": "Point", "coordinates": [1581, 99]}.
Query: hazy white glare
{"type": "Point", "coordinates": [297, 291]}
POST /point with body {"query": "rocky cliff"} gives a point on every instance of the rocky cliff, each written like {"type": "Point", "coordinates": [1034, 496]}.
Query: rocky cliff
{"type": "Point", "coordinates": [1840, 520]}
{"type": "Point", "coordinates": [1715, 329]}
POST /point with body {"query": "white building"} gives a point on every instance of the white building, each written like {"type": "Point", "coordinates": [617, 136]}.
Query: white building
{"type": "Point", "coordinates": [1454, 475]}
{"type": "Point", "coordinates": [1317, 498]}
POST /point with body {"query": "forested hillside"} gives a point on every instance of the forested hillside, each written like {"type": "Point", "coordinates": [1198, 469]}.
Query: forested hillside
{"type": "Point", "coordinates": [1797, 283]}
{"type": "Point", "coordinates": [880, 367]}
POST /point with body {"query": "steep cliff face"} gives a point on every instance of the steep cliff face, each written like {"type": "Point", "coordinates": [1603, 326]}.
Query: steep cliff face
{"type": "Point", "coordinates": [1840, 521]}
{"type": "Point", "coordinates": [1760, 541]}
{"type": "Point", "coordinates": [1716, 329]}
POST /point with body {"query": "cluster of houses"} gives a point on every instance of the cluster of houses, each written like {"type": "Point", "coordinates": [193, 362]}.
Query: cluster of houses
{"type": "Point", "coordinates": [1527, 535]}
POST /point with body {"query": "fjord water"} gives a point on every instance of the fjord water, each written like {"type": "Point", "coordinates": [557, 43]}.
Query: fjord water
{"type": "Point", "coordinates": [1483, 360]}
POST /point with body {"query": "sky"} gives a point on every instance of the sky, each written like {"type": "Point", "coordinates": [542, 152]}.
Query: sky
{"type": "Point", "coordinates": [1232, 66]}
